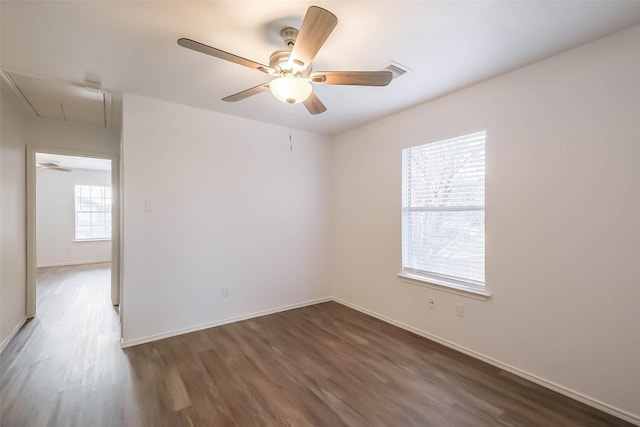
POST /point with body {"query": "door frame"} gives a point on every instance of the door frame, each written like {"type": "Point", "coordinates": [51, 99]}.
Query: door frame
{"type": "Point", "coordinates": [31, 220]}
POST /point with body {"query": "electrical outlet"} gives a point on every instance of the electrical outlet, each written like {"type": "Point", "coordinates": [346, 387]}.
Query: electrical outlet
{"type": "Point", "coordinates": [459, 310]}
{"type": "Point", "coordinates": [432, 303]}
{"type": "Point", "coordinates": [225, 292]}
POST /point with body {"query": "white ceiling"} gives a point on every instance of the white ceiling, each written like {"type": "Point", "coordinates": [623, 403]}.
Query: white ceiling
{"type": "Point", "coordinates": [131, 47]}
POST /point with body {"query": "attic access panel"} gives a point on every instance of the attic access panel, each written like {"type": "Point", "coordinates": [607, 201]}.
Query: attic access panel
{"type": "Point", "coordinates": [59, 100]}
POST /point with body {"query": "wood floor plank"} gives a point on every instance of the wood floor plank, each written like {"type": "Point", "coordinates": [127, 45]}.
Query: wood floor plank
{"type": "Point", "coordinates": [322, 365]}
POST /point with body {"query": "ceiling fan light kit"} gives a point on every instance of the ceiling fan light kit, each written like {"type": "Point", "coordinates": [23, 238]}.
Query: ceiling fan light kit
{"type": "Point", "coordinates": [292, 67]}
{"type": "Point", "coordinates": [290, 89]}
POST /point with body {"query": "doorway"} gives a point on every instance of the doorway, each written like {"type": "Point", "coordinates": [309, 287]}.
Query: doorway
{"type": "Point", "coordinates": [72, 222]}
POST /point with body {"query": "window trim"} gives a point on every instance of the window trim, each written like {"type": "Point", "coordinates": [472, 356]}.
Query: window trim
{"type": "Point", "coordinates": [456, 285]}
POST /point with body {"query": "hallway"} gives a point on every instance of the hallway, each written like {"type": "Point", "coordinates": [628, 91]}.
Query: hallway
{"type": "Point", "coordinates": [68, 355]}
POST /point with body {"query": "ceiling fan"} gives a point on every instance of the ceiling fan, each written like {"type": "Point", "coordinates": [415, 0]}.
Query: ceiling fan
{"type": "Point", "coordinates": [52, 166]}
{"type": "Point", "coordinates": [291, 66]}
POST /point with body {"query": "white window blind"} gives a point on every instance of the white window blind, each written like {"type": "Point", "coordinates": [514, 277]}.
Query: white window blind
{"type": "Point", "coordinates": [443, 210]}
{"type": "Point", "coordinates": [93, 212]}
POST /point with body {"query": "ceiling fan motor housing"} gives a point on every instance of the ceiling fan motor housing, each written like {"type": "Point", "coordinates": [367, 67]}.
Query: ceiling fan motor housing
{"type": "Point", "coordinates": [279, 60]}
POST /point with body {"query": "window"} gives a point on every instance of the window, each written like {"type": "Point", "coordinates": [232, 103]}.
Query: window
{"type": "Point", "coordinates": [93, 212]}
{"type": "Point", "coordinates": [443, 212]}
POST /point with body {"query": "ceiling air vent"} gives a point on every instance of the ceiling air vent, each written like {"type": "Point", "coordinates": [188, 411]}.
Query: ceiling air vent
{"type": "Point", "coordinates": [397, 69]}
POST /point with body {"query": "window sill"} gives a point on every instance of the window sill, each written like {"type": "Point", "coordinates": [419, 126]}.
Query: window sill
{"type": "Point", "coordinates": [443, 285]}
{"type": "Point", "coordinates": [90, 240]}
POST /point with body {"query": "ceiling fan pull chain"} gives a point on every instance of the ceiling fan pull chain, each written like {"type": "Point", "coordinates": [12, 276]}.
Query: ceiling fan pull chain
{"type": "Point", "coordinates": [290, 127]}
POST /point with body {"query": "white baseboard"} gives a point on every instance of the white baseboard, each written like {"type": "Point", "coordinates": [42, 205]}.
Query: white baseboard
{"type": "Point", "coordinates": [138, 341]}
{"type": "Point", "coordinates": [616, 412]}
{"type": "Point", "coordinates": [66, 264]}
{"type": "Point", "coordinates": [12, 334]}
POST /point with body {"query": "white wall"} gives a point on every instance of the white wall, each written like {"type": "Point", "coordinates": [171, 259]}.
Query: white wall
{"type": "Point", "coordinates": [233, 208]}
{"type": "Point", "coordinates": [12, 217]}
{"type": "Point", "coordinates": [56, 218]}
{"type": "Point", "coordinates": [49, 133]}
{"type": "Point", "coordinates": [562, 221]}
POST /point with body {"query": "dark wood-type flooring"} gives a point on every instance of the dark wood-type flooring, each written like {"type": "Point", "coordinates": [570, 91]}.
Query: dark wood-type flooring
{"type": "Point", "coordinates": [323, 365]}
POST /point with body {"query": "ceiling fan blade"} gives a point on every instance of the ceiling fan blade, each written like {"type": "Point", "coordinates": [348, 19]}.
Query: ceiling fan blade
{"type": "Point", "coordinates": [53, 167]}
{"type": "Point", "coordinates": [247, 93]}
{"type": "Point", "coordinates": [314, 105]}
{"type": "Point", "coordinates": [316, 27]}
{"type": "Point", "coordinates": [221, 54]}
{"type": "Point", "coordinates": [358, 78]}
